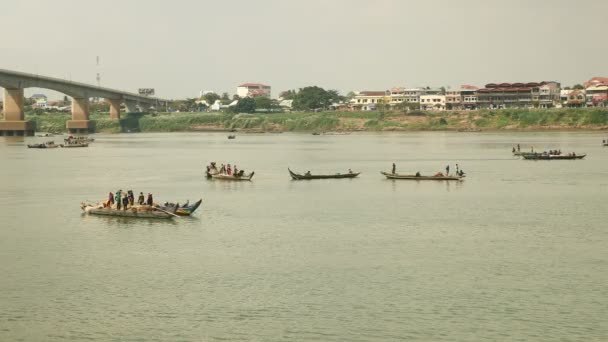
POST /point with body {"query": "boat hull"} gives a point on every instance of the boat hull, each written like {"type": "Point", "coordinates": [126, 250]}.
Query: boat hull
{"type": "Point", "coordinates": [128, 213]}
{"type": "Point", "coordinates": [184, 210]}
{"type": "Point", "coordinates": [422, 178]}
{"type": "Point", "coordinates": [232, 177]}
{"type": "Point", "coordinates": [296, 176]}
{"type": "Point", "coordinates": [552, 157]}
{"type": "Point", "coordinates": [73, 145]}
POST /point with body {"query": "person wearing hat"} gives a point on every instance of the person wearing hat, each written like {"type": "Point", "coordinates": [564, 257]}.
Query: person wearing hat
{"type": "Point", "coordinates": [141, 200]}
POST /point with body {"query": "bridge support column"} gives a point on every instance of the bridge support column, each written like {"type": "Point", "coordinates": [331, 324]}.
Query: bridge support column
{"type": "Point", "coordinates": [14, 120]}
{"type": "Point", "coordinates": [114, 108]}
{"type": "Point", "coordinates": [80, 122]}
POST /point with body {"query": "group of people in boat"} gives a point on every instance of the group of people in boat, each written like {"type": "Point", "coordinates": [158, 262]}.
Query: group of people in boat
{"type": "Point", "coordinates": [459, 171]}
{"type": "Point", "coordinates": [224, 170]}
{"type": "Point", "coordinates": [124, 200]}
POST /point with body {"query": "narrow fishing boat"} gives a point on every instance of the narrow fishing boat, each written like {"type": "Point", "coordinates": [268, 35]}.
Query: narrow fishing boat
{"type": "Point", "coordinates": [416, 177]}
{"type": "Point", "coordinates": [231, 136]}
{"type": "Point", "coordinates": [541, 156]}
{"type": "Point", "coordinates": [48, 144]}
{"type": "Point", "coordinates": [239, 177]}
{"type": "Point", "coordinates": [183, 210]}
{"type": "Point", "coordinates": [297, 176]}
{"type": "Point", "coordinates": [140, 211]}
{"type": "Point", "coordinates": [75, 144]}
{"type": "Point", "coordinates": [78, 139]}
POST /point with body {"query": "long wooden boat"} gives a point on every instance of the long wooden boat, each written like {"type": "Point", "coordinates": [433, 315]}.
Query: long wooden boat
{"type": "Point", "coordinates": [72, 144]}
{"type": "Point", "coordinates": [539, 156]}
{"type": "Point", "coordinates": [49, 144]}
{"type": "Point", "coordinates": [143, 211]}
{"type": "Point", "coordinates": [183, 210]}
{"type": "Point", "coordinates": [231, 136]}
{"type": "Point", "coordinates": [78, 139]}
{"type": "Point", "coordinates": [220, 176]}
{"type": "Point", "coordinates": [296, 176]}
{"type": "Point", "coordinates": [521, 154]}
{"type": "Point", "coordinates": [414, 177]}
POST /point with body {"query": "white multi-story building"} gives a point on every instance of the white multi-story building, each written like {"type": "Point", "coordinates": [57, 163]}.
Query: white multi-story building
{"type": "Point", "coordinates": [432, 102]}
{"type": "Point", "coordinates": [253, 90]}
{"type": "Point", "coordinates": [368, 100]}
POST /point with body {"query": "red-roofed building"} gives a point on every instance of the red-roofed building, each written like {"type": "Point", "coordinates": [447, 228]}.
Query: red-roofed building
{"type": "Point", "coordinates": [253, 90]}
{"type": "Point", "coordinates": [596, 81]}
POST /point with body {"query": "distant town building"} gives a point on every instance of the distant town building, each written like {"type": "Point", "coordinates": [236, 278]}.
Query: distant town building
{"type": "Point", "coordinates": [596, 81]}
{"type": "Point", "coordinates": [286, 104]}
{"type": "Point", "coordinates": [40, 100]}
{"type": "Point", "coordinates": [432, 102]}
{"type": "Point", "coordinates": [368, 99]}
{"type": "Point", "coordinates": [519, 95]}
{"type": "Point", "coordinates": [597, 95]}
{"type": "Point", "coordinates": [253, 90]}
{"type": "Point", "coordinates": [573, 98]}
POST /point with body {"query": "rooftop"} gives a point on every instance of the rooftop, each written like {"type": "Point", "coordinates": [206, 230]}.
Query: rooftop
{"type": "Point", "coordinates": [253, 85]}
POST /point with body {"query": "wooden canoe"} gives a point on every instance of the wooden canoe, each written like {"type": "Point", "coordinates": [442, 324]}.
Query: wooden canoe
{"type": "Point", "coordinates": [183, 210]}
{"type": "Point", "coordinates": [538, 156]}
{"type": "Point", "coordinates": [135, 212]}
{"type": "Point", "coordinates": [296, 176]}
{"type": "Point", "coordinates": [420, 178]}
{"type": "Point", "coordinates": [74, 145]}
{"type": "Point", "coordinates": [226, 177]}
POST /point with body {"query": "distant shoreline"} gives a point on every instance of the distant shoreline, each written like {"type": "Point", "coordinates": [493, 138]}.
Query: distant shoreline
{"type": "Point", "coordinates": [503, 120]}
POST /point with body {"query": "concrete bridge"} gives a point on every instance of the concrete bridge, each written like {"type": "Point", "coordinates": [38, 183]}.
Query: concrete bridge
{"type": "Point", "coordinates": [14, 82]}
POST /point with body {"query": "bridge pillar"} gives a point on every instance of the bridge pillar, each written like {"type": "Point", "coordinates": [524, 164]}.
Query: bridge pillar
{"type": "Point", "coordinates": [114, 108]}
{"type": "Point", "coordinates": [14, 120]}
{"type": "Point", "coordinates": [80, 122]}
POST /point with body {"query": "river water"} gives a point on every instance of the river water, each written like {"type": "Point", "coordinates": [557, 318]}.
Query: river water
{"type": "Point", "coordinates": [516, 252]}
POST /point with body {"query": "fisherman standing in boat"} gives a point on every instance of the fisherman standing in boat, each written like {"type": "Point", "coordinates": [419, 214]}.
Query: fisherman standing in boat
{"type": "Point", "coordinates": [110, 200]}
{"type": "Point", "coordinates": [394, 168]}
{"type": "Point", "coordinates": [118, 199]}
{"type": "Point", "coordinates": [456, 169]}
{"type": "Point", "coordinates": [517, 147]}
{"type": "Point", "coordinates": [447, 170]}
{"type": "Point", "coordinates": [150, 201]}
{"type": "Point", "coordinates": [236, 171]}
{"type": "Point", "coordinates": [125, 202]}
{"type": "Point", "coordinates": [141, 200]}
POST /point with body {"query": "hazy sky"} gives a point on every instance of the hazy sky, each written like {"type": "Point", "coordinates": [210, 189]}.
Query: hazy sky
{"type": "Point", "coordinates": [182, 46]}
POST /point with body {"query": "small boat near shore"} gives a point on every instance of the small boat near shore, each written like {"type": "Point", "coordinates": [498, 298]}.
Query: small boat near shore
{"type": "Point", "coordinates": [140, 211]}
{"type": "Point", "coordinates": [542, 156]}
{"type": "Point", "coordinates": [469, 130]}
{"type": "Point", "coordinates": [233, 177]}
{"type": "Point", "coordinates": [45, 135]}
{"type": "Point", "coordinates": [48, 144]}
{"type": "Point", "coordinates": [420, 178]}
{"type": "Point", "coordinates": [297, 176]}
{"type": "Point", "coordinates": [182, 210]}
{"type": "Point", "coordinates": [231, 136]}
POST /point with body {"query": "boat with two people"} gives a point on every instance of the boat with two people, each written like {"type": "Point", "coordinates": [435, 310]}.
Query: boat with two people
{"type": "Point", "coordinates": [308, 175]}
{"type": "Point", "coordinates": [439, 176]}
{"type": "Point", "coordinates": [182, 210]}
{"type": "Point", "coordinates": [48, 144]}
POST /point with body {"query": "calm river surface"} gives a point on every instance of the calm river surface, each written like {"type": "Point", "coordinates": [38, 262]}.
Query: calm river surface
{"type": "Point", "coordinates": [516, 252]}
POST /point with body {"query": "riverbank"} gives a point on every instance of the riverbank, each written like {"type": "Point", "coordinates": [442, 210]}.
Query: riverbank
{"type": "Point", "coordinates": [505, 119]}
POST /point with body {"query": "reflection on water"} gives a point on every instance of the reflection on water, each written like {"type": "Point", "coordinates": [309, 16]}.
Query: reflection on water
{"type": "Point", "coordinates": [516, 251]}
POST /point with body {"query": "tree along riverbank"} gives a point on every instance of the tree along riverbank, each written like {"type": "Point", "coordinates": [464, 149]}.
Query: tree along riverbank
{"type": "Point", "coordinates": [504, 119]}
